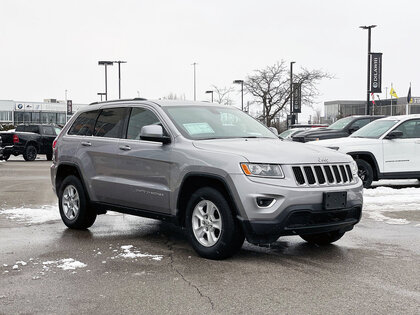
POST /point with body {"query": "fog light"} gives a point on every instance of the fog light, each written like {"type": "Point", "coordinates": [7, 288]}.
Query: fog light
{"type": "Point", "coordinates": [264, 202]}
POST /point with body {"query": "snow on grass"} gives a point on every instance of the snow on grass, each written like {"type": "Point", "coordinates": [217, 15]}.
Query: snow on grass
{"type": "Point", "coordinates": [380, 200]}
{"type": "Point", "coordinates": [129, 253]}
{"type": "Point", "coordinates": [32, 215]}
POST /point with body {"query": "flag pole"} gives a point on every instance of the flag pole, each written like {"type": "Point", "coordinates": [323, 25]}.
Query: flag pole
{"type": "Point", "coordinates": [391, 98]}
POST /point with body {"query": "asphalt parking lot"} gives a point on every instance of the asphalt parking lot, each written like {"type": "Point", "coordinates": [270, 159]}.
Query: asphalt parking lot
{"type": "Point", "coordinates": [126, 264]}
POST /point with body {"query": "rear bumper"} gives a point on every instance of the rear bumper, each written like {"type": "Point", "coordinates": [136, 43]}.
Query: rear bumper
{"type": "Point", "coordinates": [13, 150]}
{"type": "Point", "coordinates": [302, 219]}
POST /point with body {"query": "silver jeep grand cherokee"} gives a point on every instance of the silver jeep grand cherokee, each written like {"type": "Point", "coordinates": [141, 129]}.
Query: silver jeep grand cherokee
{"type": "Point", "coordinates": [209, 168]}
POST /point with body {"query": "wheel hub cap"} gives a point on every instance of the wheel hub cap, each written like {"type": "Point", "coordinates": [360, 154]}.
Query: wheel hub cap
{"type": "Point", "coordinates": [206, 223]}
{"type": "Point", "coordinates": [71, 202]}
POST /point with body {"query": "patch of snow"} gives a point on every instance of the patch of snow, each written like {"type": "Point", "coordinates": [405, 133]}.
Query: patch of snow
{"type": "Point", "coordinates": [21, 262]}
{"type": "Point", "coordinates": [128, 253]}
{"type": "Point", "coordinates": [64, 264]}
{"type": "Point", "coordinates": [15, 267]}
{"type": "Point", "coordinates": [32, 215]}
{"type": "Point", "coordinates": [70, 264]}
{"type": "Point", "coordinates": [379, 201]}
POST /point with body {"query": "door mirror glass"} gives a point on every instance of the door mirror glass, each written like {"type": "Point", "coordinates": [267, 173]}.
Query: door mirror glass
{"type": "Point", "coordinates": [154, 133]}
{"type": "Point", "coordinates": [394, 134]}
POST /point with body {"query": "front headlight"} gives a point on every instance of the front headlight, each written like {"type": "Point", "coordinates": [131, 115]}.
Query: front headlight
{"type": "Point", "coordinates": [354, 168]}
{"type": "Point", "coordinates": [263, 170]}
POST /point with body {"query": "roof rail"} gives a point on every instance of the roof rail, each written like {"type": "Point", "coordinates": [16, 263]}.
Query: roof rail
{"type": "Point", "coordinates": [121, 100]}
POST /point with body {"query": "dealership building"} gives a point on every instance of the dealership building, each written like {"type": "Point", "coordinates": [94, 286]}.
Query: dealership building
{"type": "Point", "coordinates": [50, 111]}
{"type": "Point", "coordinates": [334, 110]}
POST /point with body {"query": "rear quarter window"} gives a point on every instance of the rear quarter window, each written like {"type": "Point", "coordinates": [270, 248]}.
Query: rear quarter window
{"type": "Point", "coordinates": [84, 124]}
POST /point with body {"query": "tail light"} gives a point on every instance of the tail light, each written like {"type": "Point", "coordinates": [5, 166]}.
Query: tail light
{"type": "Point", "coordinates": [54, 143]}
{"type": "Point", "coordinates": [15, 139]}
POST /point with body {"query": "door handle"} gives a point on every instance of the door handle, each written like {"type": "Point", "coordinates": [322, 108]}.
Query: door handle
{"type": "Point", "coordinates": [86, 143]}
{"type": "Point", "coordinates": [125, 148]}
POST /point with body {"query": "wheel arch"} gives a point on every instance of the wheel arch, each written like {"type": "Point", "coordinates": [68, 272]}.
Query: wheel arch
{"type": "Point", "coordinates": [194, 181]}
{"type": "Point", "coordinates": [369, 158]}
{"type": "Point", "coordinates": [67, 169]}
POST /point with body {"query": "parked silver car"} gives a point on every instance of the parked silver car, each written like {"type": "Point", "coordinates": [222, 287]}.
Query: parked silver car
{"type": "Point", "coordinates": [211, 169]}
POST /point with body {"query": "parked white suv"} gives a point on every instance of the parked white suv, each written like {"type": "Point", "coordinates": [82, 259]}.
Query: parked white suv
{"type": "Point", "coordinates": [387, 148]}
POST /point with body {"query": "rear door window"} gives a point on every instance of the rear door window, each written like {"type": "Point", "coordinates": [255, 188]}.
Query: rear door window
{"type": "Point", "coordinates": [361, 123]}
{"type": "Point", "coordinates": [110, 122]}
{"type": "Point", "coordinates": [84, 124]}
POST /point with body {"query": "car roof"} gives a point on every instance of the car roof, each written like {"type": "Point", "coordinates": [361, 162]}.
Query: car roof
{"type": "Point", "coordinates": [401, 117]}
{"type": "Point", "coordinates": [161, 103]}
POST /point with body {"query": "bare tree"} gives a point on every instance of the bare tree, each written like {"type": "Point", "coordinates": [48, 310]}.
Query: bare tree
{"type": "Point", "coordinates": [222, 95]}
{"type": "Point", "coordinates": [270, 88]}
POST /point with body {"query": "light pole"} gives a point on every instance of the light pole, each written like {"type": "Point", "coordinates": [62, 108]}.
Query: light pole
{"type": "Point", "coordinates": [101, 94]}
{"type": "Point", "coordinates": [369, 28]}
{"type": "Point", "coordinates": [291, 93]}
{"type": "Point", "coordinates": [194, 64]}
{"type": "Point", "coordinates": [119, 77]}
{"type": "Point", "coordinates": [241, 82]}
{"type": "Point", "coordinates": [106, 64]}
{"type": "Point", "coordinates": [211, 92]}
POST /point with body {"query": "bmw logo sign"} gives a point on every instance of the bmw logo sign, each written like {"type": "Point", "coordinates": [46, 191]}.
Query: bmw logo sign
{"type": "Point", "coordinates": [20, 106]}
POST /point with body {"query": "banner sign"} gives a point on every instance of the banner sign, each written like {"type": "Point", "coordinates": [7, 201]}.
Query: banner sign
{"type": "Point", "coordinates": [297, 97]}
{"type": "Point", "coordinates": [69, 107]}
{"type": "Point", "coordinates": [375, 73]}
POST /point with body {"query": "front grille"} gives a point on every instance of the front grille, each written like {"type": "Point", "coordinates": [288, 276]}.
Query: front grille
{"type": "Point", "coordinates": [332, 174]}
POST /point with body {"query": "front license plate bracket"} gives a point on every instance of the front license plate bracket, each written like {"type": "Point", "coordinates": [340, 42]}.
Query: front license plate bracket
{"type": "Point", "coordinates": [335, 200]}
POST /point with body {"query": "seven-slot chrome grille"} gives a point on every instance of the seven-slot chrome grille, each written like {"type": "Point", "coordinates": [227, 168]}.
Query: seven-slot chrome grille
{"type": "Point", "coordinates": [322, 174]}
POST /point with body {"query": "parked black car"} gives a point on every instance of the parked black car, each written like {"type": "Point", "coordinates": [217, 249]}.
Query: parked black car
{"type": "Point", "coordinates": [29, 140]}
{"type": "Point", "coordinates": [340, 129]}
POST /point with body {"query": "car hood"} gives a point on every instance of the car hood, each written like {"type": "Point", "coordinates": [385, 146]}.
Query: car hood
{"type": "Point", "coordinates": [273, 151]}
{"type": "Point", "coordinates": [341, 142]}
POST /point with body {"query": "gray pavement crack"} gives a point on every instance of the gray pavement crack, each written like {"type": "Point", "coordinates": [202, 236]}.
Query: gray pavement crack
{"type": "Point", "coordinates": [191, 284]}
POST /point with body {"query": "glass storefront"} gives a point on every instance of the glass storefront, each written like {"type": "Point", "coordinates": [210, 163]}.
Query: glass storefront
{"type": "Point", "coordinates": [39, 117]}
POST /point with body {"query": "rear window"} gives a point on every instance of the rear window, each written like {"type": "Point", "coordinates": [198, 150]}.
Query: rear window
{"type": "Point", "coordinates": [48, 130]}
{"type": "Point", "coordinates": [84, 124]}
{"type": "Point", "coordinates": [110, 123]}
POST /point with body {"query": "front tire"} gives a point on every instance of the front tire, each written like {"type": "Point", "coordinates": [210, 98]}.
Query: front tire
{"type": "Point", "coordinates": [213, 231]}
{"type": "Point", "coordinates": [323, 238]}
{"type": "Point", "coordinates": [365, 172]}
{"type": "Point", "coordinates": [30, 153]}
{"type": "Point", "coordinates": [74, 206]}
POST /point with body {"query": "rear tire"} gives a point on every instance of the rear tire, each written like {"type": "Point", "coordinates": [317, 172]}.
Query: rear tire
{"type": "Point", "coordinates": [323, 238]}
{"type": "Point", "coordinates": [74, 206]}
{"type": "Point", "coordinates": [209, 215]}
{"type": "Point", "coordinates": [30, 153]}
{"type": "Point", "coordinates": [365, 172]}
{"type": "Point", "coordinates": [6, 157]}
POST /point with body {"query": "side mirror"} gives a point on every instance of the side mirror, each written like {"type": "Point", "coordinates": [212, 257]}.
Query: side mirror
{"type": "Point", "coordinates": [274, 130]}
{"type": "Point", "coordinates": [154, 133]}
{"type": "Point", "coordinates": [353, 129]}
{"type": "Point", "coordinates": [394, 134]}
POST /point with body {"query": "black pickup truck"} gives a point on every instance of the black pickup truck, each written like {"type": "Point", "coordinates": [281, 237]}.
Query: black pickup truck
{"type": "Point", "coordinates": [28, 140]}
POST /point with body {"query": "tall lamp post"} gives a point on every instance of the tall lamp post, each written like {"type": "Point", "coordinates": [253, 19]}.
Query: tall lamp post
{"type": "Point", "coordinates": [194, 64]}
{"type": "Point", "coordinates": [210, 92]}
{"type": "Point", "coordinates": [106, 64]}
{"type": "Point", "coordinates": [291, 93]}
{"type": "Point", "coordinates": [369, 28]}
{"type": "Point", "coordinates": [119, 76]}
{"type": "Point", "coordinates": [241, 82]}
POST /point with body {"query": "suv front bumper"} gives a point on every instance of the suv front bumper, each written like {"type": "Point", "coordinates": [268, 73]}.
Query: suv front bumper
{"type": "Point", "coordinates": [300, 220]}
{"type": "Point", "coordinates": [295, 210]}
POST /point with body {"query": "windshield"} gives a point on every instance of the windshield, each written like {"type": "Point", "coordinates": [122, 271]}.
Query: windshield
{"type": "Point", "coordinates": [375, 129]}
{"type": "Point", "coordinates": [287, 133]}
{"type": "Point", "coordinates": [214, 122]}
{"type": "Point", "coordinates": [341, 123]}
